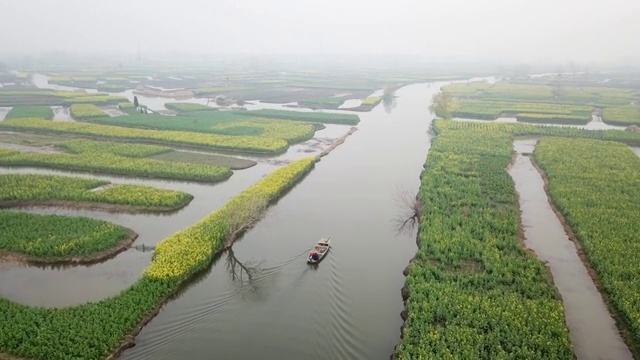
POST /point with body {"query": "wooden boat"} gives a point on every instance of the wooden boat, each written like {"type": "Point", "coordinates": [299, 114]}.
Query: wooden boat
{"type": "Point", "coordinates": [321, 248]}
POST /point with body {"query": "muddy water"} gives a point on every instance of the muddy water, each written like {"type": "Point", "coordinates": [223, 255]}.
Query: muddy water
{"type": "Point", "coordinates": [41, 81]}
{"type": "Point", "coordinates": [347, 307]}
{"type": "Point", "coordinates": [636, 150]}
{"type": "Point", "coordinates": [61, 113]}
{"type": "Point", "coordinates": [592, 329]}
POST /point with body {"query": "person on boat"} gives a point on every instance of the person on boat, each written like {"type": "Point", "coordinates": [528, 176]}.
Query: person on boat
{"type": "Point", "coordinates": [314, 255]}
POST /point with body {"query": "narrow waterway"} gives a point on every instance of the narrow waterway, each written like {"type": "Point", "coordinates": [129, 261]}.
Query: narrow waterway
{"type": "Point", "coordinates": [3, 112]}
{"type": "Point", "coordinates": [264, 301]}
{"type": "Point", "coordinates": [592, 329]}
{"type": "Point", "coordinates": [636, 150]}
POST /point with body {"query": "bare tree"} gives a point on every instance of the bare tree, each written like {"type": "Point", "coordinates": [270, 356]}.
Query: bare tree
{"type": "Point", "coordinates": [410, 210]}
{"type": "Point", "coordinates": [244, 215]}
{"type": "Point", "coordinates": [443, 105]}
{"type": "Point", "coordinates": [247, 276]}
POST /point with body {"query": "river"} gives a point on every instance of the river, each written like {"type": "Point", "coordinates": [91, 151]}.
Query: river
{"type": "Point", "coordinates": [347, 307]}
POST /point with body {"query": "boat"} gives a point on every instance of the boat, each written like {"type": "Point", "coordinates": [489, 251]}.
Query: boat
{"type": "Point", "coordinates": [322, 248]}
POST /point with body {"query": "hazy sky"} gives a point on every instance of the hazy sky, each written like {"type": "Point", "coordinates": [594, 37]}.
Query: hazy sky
{"type": "Point", "coordinates": [557, 30]}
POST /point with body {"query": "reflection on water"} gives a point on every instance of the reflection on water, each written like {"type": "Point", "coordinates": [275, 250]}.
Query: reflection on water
{"type": "Point", "coordinates": [346, 307]}
{"type": "Point", "coordinates": [592, 330]}
{"type": "Point", "coordinates": [61, 113]}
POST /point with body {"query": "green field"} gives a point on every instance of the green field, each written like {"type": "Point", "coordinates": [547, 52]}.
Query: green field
{"type": "Point", "coordinates": [34, 111]}
{"type": "Point", "coordinates": [116, 158]}
{"type": "Point", "coordinates": [49, 189]}
{"type": "Point", "coordinates": [521, 129]}
{"type": "Point", "coordinates": [177, 138]}
{"type": "Point", "coordinates": [624, 115]}
{"type": "Point", "coordinates": [186, 107]}
{"type": "Point", "coordinates": [571, 95]}
{"type": "Point", "coordinates": [311, 116]}
{"type": "Point", "coordinates": [53, 236]}
{"type": "Point", "coordinates": [594, 184]}
{"type": "Point", "coordinates": [86, 111]}
{"type": "Point", "coordinates": [474, 291]}
{"type": "Point", "coordinates": [553, 119]}
{"type": "Point", "coordinates": [216, 122]}
{"type": "Point", "coordinates": [490, 109]}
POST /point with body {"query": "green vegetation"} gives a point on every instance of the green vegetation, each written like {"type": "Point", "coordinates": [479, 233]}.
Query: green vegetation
{"type": "Point", "coordinates": [47, 189]}
{"type": "Point", "coordinates": [624, 115]}
{"type": "Point", "coordinates": [553, 118]}
{"type": "Point", "coordinates": [186, 107]}
{"type": "Point", "coordinates": [311, 116]}
{"type": "Point", "coordinates": [53, 236]}
{"type": "Point", "coordinates": [86, 111]}
{"type": "Point", "coordinates": [65, 333]}
{"type": "Point", "coordinates": [372, 100]}
{"type": "Point", "coordinates": [128, 108]}
{"type": "Point", "coordinates": [112, 88]}
{"type": "Point", "coordinates": [182, 138]}
{"type": "Point", "coordinates": [483, 109]}
{"type": "Point", "coordinates": [505, 91]}
{"type": "Point", "coordinates": [116, 158]}
{"type": "Point", "coordinates": [474, 291]}
{"type": "Point", "coordinates": [96, 99]}
{"type": "Point", "coordinates": [210, 159]}
{"type": "Point", "coordinates": [33, 111]}
{"type": "Point", "coordinates": [519, 129]}
{"type": "Point", "coordinates": [217, 123]}
{"type": "Point", "coordinates": [594, 184]}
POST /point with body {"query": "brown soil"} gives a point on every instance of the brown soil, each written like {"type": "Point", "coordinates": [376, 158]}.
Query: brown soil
{"type": "Point", "coordinates": [86, 205]}
{"type": "Point", "coordinates": [623, 327]}
{"type": "Point", "coordinates": [336, 143]}
{"type": "Point", "coordinates": [90, 259]}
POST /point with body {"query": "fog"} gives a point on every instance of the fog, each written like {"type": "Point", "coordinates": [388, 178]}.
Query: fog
{"type": "Point", "coordinates": [520, 30]}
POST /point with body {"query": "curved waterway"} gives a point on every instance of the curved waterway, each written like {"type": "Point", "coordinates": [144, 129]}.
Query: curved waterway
{"type": "Point", "coordinates": [592, 329]}
{"type": "Point", "coordinates": [56, 285]}
{"type": "Point", "coordinates": [264, 301]}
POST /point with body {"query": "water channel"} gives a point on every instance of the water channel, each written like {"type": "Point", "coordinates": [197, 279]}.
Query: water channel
{"type": "Point", "coordinates": [592, 329]}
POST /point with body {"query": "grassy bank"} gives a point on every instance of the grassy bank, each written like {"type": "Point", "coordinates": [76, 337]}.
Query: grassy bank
{"type": "Point", "coordinates": [594, 185]}
{"type": "Point", "coordinates": [16, 190]}
{"type": "Point", "coordinates": [473, 290]}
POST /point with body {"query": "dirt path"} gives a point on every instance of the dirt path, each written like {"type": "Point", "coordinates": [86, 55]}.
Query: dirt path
{"type": "Point", "coordinates": [592, 329]}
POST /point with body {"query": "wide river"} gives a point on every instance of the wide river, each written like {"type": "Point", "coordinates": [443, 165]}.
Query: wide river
{"type": "Point", "coordinates": [264, 301]}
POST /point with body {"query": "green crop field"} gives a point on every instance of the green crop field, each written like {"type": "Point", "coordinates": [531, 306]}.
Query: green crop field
{"type": "Point", "coordinates": [116, 158]}
{"type": "Point", "coordinates": [594, 184]}
{"type": "Point", "coordinates": [33, 111]}
{"type": "Point", "coordinates": [179, 138]}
